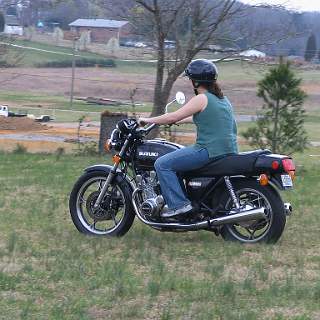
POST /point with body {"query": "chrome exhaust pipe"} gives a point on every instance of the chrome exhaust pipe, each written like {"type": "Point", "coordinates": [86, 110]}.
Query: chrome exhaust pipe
{"type": "Point", "coordinates": [254, 214]}
{"type": "Point", "coordinates": [288, 208]}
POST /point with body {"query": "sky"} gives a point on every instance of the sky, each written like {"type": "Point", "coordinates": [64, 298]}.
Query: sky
{"type": "Point", "coordinates": [299, 5]}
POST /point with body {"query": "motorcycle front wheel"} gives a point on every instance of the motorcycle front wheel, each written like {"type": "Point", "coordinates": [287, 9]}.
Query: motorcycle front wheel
{"type": "Point", "coordinates": [252, 195]}
{"type": "Point", "coordinates": [115, 215]}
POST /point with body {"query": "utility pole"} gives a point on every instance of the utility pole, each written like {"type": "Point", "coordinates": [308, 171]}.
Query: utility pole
{"type": "Point", "coordinates": [75, 38]}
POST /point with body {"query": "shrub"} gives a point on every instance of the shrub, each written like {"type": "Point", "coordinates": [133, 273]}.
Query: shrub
{"type": "Point", "coordinates": [20, 149]}
{"type": "Point", "coordinates": [280, 125]}
{"type": "Point", "coordinates": [80, 63]}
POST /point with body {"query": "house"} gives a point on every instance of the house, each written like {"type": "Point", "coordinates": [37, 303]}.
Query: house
{"type": "Point", "coordinates": [13, 26]}
{"type": "Point", "coordinates": [102, 30]}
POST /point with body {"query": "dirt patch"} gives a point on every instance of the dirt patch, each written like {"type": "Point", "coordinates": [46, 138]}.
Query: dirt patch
{"type": "Point", "coordinates": [20, 124]}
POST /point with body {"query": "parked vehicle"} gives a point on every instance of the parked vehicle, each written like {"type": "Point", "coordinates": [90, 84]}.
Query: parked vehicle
{"type": "Point", "coordinates": [4, 111]}
{"type": "Point", "coordinates": [168, 44]}
{"type": "Point", "coordinates": [41, 118]}
{"type": "Point", "coordinates": [140, 45]}
{"type": "Point", "coordinates": [236, 197]}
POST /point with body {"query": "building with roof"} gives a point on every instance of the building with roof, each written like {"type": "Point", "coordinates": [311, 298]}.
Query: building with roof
{"type": "Point", "coordinates": [13, 26]}
{"type": "Point", "coordinates": [102, 30]}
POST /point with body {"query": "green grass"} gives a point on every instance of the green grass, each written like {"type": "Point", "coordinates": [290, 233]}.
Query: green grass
{"type": "Point", "coordinates": [30, 58]}
{"type": "Point", "coordinates": [59, 106]}
{"type": "Point", "coordinates": [50, 271]}
{"type": "Point", "coordinates": [311, 125]}
{"type": "Point", "coordinates": [33, 58]}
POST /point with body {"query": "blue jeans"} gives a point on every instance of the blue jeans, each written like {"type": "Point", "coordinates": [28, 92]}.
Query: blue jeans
{"type": "Point", "coordinates": [167, 167]}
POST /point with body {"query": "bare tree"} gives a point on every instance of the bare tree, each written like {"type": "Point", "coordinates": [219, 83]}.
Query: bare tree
{"type": "Point", "coordinates": [193, 25]}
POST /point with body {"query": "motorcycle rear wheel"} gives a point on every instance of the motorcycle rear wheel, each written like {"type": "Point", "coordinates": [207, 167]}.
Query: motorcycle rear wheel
{"type": "Point", "coordinates": [253, 195]}
{"type": "Point", "coordinates": [115, 219]}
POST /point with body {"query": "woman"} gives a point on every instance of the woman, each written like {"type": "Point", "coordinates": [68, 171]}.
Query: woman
{"type": "Point", "coordinates": [213, 116]}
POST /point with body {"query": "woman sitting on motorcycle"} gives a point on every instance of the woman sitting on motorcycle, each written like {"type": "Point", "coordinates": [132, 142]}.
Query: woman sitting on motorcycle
{"type": "Point", "coordinates": [213, 116]}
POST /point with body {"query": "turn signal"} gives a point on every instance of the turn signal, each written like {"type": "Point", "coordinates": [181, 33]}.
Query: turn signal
{"type": "Point", "coordinates": [107, 146]}
{"type": "Point", "coordinates": [292, 174]}
{"type": "Point", "coordinates": [116, 159]}
{"type": "Point", "coordinates": [263, 179]}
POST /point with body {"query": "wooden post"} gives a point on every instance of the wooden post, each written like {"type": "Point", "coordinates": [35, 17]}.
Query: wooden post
{"type": "Point", "coordinates": [108, 123]}
{"type": "Point", "coordinates": [74, 49]}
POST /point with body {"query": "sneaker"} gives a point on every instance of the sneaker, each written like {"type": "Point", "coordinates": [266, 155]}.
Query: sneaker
{"type": "Point", "coordinates": [173, 213]}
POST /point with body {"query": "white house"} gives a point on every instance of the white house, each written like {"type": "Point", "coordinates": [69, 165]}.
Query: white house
{"type": "Point", "coordinates": [12, 26]}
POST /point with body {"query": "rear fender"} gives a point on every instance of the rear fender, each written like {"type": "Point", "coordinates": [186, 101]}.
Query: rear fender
{"type": "Point", "coordinates": [120, 176]}
{"type": "Point", "coordinates": [276, 183]}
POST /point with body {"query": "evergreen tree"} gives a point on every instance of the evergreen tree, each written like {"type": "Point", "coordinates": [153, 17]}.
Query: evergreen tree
{"type": "Point", "coordinates": [2, 22]}
{"type": "Point", "coordinates": [280, 124]}
{"type": "Point", "coordinates": [311, 49]}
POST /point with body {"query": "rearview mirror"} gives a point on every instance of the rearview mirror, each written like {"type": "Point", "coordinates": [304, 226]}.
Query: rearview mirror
{"type": "Point", "coordinates": [180, 97]}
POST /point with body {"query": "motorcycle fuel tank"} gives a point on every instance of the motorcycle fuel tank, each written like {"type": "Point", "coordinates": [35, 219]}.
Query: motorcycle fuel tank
{"type": "Point", "coordinates": [149, 151]}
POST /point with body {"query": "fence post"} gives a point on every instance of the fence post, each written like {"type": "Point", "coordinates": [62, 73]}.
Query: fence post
{"type": "Point", "coordinates": [108, 121]}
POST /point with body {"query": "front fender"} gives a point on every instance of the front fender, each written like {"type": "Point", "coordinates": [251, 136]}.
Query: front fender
{"type": "Point", "coordinates": [100, 167]}
{"type": "Point", "coordinates": [107, 168]}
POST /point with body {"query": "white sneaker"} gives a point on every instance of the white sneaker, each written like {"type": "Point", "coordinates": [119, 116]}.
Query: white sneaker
{"type": "Point", "coordinates": [172, 213]}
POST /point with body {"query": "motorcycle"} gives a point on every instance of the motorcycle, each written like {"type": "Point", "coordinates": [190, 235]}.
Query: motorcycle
{"type": "Point", "coordinates": [235, 196]}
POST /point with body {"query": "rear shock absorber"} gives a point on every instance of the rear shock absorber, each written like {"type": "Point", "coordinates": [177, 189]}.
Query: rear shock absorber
{"type": "Point", "coordinates": [232, 193]}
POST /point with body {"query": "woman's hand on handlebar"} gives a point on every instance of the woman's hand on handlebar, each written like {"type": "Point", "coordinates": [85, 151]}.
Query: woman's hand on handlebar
{"type": "Point", "coordinates": [142, 121]}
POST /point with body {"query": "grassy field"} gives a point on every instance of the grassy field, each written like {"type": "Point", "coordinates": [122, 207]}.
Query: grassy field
{"type": "Point", "coordinates": [50, 271]}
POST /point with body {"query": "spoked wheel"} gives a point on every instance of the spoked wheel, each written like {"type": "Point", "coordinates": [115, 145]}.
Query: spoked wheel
{"type": "Point", "coordinates": [252, 195]}
{"type": "Point", "coordinates": [114, 216]}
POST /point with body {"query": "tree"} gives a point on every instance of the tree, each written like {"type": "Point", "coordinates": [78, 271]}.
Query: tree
{"type": "Point", "coordinates": [311, 48]}
{"type": "Point", "coordinates": [280, 125]}
{"type": "Point", "coordinates": [2, 22]}
{"type": "Point", "coordinates": [193, 25]}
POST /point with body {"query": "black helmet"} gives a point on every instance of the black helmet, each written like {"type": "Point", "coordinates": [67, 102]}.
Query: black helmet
{"type": "Point", "coordinates": [201, 71]}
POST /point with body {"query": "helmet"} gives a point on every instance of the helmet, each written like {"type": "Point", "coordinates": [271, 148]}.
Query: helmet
{"type": "Point", "coordinates": [201, 71]}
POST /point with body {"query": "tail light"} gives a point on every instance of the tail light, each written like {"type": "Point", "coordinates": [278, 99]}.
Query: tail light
{"type": "Point", "coordinates": [289, 167]}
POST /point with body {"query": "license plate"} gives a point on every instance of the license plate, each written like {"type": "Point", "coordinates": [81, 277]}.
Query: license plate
{"type": "Point", "coordinates": [286, 180]}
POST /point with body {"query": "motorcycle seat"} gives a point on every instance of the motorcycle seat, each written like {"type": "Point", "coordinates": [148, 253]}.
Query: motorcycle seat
{"type": "Point", "coordinates": [235, 164]}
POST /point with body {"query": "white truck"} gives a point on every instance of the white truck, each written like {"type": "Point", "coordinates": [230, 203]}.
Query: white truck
{"type": "Point", "coordinates": [4, 112]}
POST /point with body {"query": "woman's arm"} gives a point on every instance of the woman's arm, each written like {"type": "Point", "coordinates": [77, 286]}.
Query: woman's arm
{"type": "Point", "coordinates": [186, 120]}
{"type": "Point", "coordinates": [196, 104]}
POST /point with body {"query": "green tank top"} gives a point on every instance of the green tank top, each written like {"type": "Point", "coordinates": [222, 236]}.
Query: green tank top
{"type": "Point", "coordinates": [216, 127]}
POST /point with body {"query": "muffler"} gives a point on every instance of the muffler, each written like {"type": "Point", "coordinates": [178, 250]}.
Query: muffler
{"type": "Point", "coordinates": [246, 215]}
{"type": "Point", "coordinates": [288, 208]}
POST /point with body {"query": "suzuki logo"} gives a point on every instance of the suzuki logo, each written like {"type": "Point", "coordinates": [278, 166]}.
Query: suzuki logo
{"type": "Point", "coordinates": [149, 154]}
{"type": "Point", "coordinates": [195, 184]}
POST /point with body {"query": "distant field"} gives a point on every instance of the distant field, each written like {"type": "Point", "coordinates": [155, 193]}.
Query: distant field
{"type": "Point", "coordinates": [50, 271]}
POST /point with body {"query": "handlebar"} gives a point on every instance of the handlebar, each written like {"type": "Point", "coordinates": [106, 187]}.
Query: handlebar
{"type": "Point", "coordinates": [148, 129]}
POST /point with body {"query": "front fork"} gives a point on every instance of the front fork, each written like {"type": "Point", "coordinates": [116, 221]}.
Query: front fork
{"type": "Point", "coordinates": [106, 185]}
{"type": "Point", "coordinates": [112, 173]}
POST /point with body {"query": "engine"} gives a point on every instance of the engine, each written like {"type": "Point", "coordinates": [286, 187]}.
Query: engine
{"type": "Point", "coordinates": [152, 202]}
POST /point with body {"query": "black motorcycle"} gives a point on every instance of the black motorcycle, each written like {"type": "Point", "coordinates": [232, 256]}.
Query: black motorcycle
{"type": "Point", "coordinates": [236, 196]}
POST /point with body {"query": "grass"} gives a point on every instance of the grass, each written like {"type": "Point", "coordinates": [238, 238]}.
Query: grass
{"type": "Point", "coordinates": [59, 106]}
{"type": "Point", "coordinates": [50, 271]}
{"type": "Point", "coordinates": [31, 58]}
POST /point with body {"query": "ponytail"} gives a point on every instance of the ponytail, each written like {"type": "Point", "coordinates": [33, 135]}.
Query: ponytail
{"type": "Point", "coordinates": [215, 89]}
{"type": "Point", "coordinates": [212, 87]}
